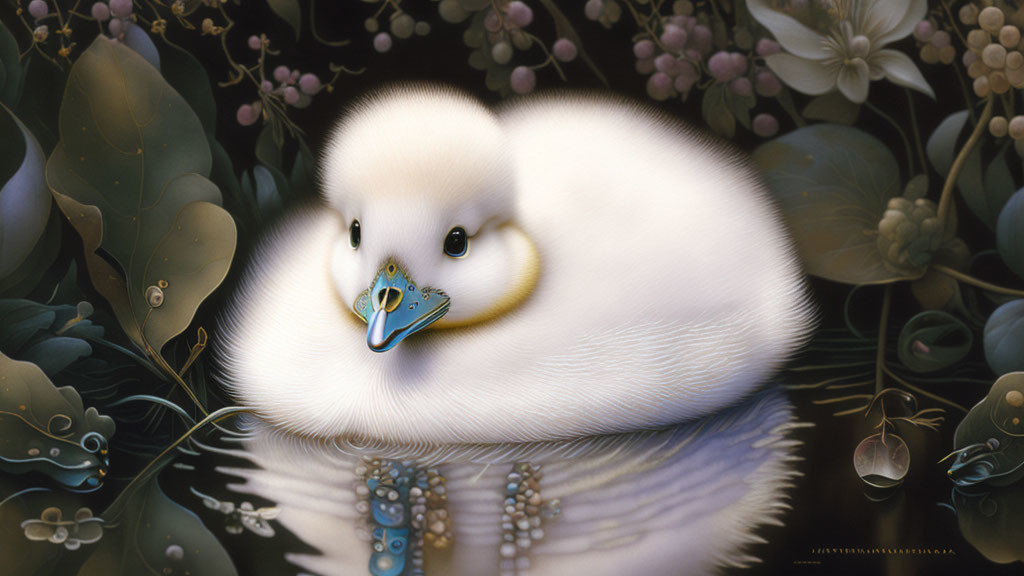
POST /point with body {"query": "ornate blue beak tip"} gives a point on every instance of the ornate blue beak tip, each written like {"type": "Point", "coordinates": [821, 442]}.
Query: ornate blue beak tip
{"type": "Point", "coordinates": [394, 307]}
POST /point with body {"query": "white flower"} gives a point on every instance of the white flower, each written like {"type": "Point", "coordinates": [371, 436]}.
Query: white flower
{"type": "Point", "coordinates": [849, 54]}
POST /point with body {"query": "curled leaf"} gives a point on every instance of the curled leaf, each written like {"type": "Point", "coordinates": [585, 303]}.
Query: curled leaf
{"type": "Point", "coordinates": [933, 340]}
{"type": "Point", "coordinates": [47, 429]}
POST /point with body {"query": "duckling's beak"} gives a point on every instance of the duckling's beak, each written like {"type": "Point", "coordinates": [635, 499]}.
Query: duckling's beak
{"type": "Point", "coordinates": [395, 307]}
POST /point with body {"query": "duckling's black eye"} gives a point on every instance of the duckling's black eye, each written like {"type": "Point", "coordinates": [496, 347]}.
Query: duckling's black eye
{"type": "Point", "coordinates": [456, 242]}
{"type": "Point", "coordinates": [354, 235]}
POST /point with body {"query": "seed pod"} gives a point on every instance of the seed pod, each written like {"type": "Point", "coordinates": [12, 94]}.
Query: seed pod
{"type": "Point", "coordinates": [998, 82]}
{"type": "Point", "coordinates": [994, 56]}
{"type": "Point", "coordinates": [154, 296]}
{"type": "Point", "coordinates": [1009, 36]}
{"type": "Point", "coordinates": [998, 126]}
{"type": "Point", "coordinates": [991, 19]}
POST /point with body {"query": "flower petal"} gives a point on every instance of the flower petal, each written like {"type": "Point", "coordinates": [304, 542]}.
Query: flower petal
{"type": "Point", "coordinates": [894, 28]}
{"type": "Point", "coordinates": [794, 36]}
{"type": "Point", "coordinates": [807, 76]}
{"type": "Point", "coordinates": [900, 69]}
{"type": "Point", "coordinates": [854, 82]}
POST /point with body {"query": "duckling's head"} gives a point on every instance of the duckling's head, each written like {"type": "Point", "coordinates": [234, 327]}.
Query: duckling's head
{"type": "Point", "coordinates": [422, 243]}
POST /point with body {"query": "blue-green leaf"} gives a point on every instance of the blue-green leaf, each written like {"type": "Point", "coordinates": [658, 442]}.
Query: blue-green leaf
{"type": "Point", "coordinates": [833, 183]}
{"type": "Point", "coordinates": [1004, 338]}
{"type": "Point", "coordinates": [1010, 233]}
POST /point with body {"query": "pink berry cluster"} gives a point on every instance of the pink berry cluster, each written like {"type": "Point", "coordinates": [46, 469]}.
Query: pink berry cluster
{"type": "Point", "coordinates": [496, 32]}
{"type": "Point", "coordinates": [290, 86]}
{"type": "Point", "coordinates": [673, 59]}
{"type": "Point", "coordinates": [117, 14]}
{"type": "Point", "coordinates": [605, 12]}
{"type": "Point", "coordinates": [936, 45]}
{"type": "Point", "coordinates": [678, 53]}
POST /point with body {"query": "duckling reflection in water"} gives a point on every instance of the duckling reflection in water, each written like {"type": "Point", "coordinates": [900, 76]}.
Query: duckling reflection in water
{"type": "Point", "coordinates": [537, 341]}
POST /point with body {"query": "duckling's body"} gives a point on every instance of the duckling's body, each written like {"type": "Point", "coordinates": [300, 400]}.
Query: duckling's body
{"type": "Point", "coordinates": [622, 275]}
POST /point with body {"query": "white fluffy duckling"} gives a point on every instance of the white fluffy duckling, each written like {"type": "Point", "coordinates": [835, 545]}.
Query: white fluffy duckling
{"type": "Point", "coordinates": [561, 315]}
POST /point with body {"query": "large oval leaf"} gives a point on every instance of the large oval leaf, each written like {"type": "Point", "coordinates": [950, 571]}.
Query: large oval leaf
{"type": "Point", "coordinates": [833, 183]}
{"type": "Point", "coordinates": [46, 429]}
{"type": "Point", "coordinates": [933, 340]}
{"type": "Point", "coordinates": [1010, 233]}
{"type": "Point", "coordinates": [130, 174]}
{"type": "Point", "coordinates": [24, 199]}
{"type": "Point", "coordinates": [1004, 338]}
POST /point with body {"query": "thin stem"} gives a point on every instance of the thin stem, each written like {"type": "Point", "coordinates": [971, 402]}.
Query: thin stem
{"type": "Point", "coordinates": [177, 379]}
{"type": "Point", "coordinates": [954, 172]}
{"type": "Point", "coordinates": [966, 279]}
{"type": "Point", "coordinates": [831, 366]}
{"type": "Point", "coordinates": [921, 391]}
{"type": "Point", "coordinates": [843, 399]}
{"type": "Point", "coordinates": [883, 324]}
{"type": "Point", "coordinates": [903, 135]}
{"type": "Point", "coordinates": [152, 467]}
{"type": "Point", "coordinates": [916, 131]}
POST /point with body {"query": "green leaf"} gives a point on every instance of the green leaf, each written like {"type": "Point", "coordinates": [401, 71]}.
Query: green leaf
{"type": "Point", "coordinates": [259, 185]}
{"type": "Point", "coordinates": [1004, 338]}
{"type": "Point", "coordinates": [999, 186]}
{"type": "Point", "coordinates": [269, 151]}
{"type": "Point", "coordinates": [290, 12]}
{"type": "Point", "coordinates": [933, 340]}
{"type": "Point", "coordinates": [190, 79]}
{"type": "Point", "coordinates": [20, 320]}
{"type": "Point", "coordinates": [303, 176]}
{"type": "Point", "coordinates": [55, 354]}
{"type": "Point", "coordinates": [833, 184]}
{"type": "Point", "coordinates": [46, 429]}
{"type": "Point", "coordinates": [716, 113]}
{"type": "Point", "coordinates": [26, 279]}
{"type": "Point", "coordinates": [52, 337]}
{"type": "Point", "coordinates": [130, 175]}
{"type": "Point", "coordinates": [740, 106]}
{"type": "Point", "coordinates": [1010, 233]}
{"type": "Point", "coordinates": [832, 107]}
{"type": "Point", "coordinates": [148, 538]}
{"type": "Point", "coordinates": [10, 68]}
{"type": "Point", "coordinates": [39, 106]}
